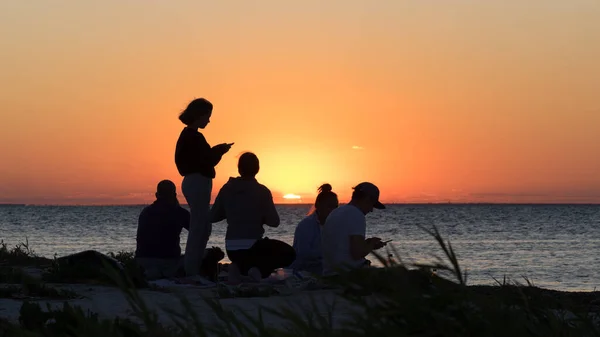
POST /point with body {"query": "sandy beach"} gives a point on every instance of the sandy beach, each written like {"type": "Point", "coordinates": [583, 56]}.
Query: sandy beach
{"type": "Point", "coordinates": [366, 300]}
{"type": "Point", "coordinates": [301, 296]}
{"type": "Point", "coordinates": [110, 302]}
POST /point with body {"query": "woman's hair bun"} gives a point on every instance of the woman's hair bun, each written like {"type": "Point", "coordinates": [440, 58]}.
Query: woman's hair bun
{"type": "Point", "coordinates": [325, 188]}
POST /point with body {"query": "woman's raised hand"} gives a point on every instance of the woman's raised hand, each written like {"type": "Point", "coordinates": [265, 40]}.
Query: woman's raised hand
{"type": "Point", "coordinates": [223, 148]}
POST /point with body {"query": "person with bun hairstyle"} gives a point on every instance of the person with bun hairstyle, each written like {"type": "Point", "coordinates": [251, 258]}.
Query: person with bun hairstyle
{"type": "Point", "coordinates": [307, 237]}
{"type": "Point", "coordinates": [196, 160]}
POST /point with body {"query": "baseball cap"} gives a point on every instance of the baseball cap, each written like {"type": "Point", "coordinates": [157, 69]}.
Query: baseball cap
{"type": "Point", "coordinates": [372, 191]}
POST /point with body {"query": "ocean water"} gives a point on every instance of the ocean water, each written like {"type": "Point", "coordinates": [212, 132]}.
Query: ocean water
{"type": "Point", "coordinates": [554, 246]}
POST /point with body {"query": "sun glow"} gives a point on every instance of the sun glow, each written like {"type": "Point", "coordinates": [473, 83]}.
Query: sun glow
{"type": "Point", "coordinates": [291, 196]}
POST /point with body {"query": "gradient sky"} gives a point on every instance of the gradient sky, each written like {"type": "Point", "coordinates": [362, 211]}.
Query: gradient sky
{"type": "Point", "coordinates": [478, 101]}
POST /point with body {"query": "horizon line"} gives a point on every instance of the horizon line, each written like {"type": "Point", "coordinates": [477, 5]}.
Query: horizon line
{"type": "Point", "coordinates": [312, 204]}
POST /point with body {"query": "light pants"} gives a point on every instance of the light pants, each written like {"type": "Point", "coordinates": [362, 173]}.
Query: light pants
{"type": "Point", "coordinates": [197, 189]}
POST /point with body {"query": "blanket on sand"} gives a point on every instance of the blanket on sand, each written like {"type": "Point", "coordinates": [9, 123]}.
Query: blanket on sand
{"type": "Point", "coordinates": [281, 282]}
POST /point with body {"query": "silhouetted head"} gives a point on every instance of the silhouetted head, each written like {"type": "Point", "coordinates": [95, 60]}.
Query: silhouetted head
{"type": "Point", "coordinates": [248, 165]}
{"type": "Point", "coordinates": [166, 190]}
{"type": "Point", "coordinates": [366, 197]}
{"type": "Point", "coordinates": [326, 201]}
{"type": "Point", "coordinates": [197, 114]}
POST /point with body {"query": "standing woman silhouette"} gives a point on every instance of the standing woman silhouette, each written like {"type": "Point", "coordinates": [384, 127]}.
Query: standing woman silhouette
{"type": "Point", "coordinates": [196, 160]}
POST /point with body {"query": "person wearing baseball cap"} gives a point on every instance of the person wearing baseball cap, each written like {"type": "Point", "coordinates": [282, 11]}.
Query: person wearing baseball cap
{"type": "Point", "coordinates": [343, 239]}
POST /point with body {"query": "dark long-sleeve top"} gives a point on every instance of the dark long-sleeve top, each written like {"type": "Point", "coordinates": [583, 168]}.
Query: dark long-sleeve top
{"type": "Point", "coordinates": [193, 154]}
{"type": "Point", "coordinates": [159, 227]}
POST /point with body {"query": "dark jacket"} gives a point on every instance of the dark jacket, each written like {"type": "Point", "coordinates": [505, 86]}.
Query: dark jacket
{"type": "Point", "coordinates": [159, 229]}
{"type": "Point", "coordinates": [193, 154]}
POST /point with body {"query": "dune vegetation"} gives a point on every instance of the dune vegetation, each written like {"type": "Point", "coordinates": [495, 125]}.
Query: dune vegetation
{"type": "Point", "coordinates": [396, 300]}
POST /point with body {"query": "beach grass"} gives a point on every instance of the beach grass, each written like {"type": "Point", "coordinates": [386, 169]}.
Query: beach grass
{"type": "Point", "coordinates": [21, 255]}
{"type": "Point", "coordinates": [39, 291]}
{"type": "Point", "coordinates": [17, 284]}
{"type": "Point", "coordinates": [396, 300]}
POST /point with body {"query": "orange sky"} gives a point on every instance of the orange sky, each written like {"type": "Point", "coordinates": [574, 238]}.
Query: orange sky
{"type": "Point", "coordinates": [478, 101]}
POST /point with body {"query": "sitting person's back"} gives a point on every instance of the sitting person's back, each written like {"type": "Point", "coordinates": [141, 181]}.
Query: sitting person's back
{"type": "Point", "coordinates": [247, 205]}
{"type": "Point", "coordinates": [160, 224]}
{"type": "Point", "coordinates": [307, 237]}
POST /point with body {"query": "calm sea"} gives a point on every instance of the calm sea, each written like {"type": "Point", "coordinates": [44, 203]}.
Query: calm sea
{"type": "Point", "coordinates": [555, 246]}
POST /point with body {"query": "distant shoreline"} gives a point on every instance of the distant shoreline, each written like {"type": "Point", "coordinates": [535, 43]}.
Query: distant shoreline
{"type": "Point", "coordinates": [310, 204]}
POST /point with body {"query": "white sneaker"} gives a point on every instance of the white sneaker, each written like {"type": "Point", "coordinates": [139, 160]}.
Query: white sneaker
{"type": "Point", "coordinates": [255, 274]}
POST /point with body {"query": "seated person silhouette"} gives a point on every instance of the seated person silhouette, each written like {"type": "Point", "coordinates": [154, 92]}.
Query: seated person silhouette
{"type": "Point", "coordinates": [247, 205]}
{"type": "Point", "coordinates": [343, 235]}
{"type": "Point", "coordinates": [158, 233]}
{"type": "Point", "coordinates": [307, 238]}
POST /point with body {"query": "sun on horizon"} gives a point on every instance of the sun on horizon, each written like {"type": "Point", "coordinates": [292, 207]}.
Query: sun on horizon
{"type": "Point", "coordinates": [292, 197]}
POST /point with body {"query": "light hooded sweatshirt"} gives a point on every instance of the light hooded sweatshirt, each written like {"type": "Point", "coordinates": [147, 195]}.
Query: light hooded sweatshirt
{"type": "Point", "coordinates": [247, 205]}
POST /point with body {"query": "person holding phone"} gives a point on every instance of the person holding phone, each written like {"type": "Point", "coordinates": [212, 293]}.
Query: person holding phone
{"type": "Point", "coordinates": [344, 245]}
{"type": "Point", "coordinates": [196, 160]}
